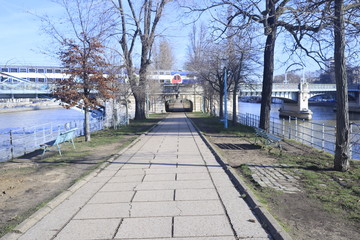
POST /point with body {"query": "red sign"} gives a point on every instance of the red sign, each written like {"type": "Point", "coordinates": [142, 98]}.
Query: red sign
{"type": "Point", "coordinates": [176, 79]}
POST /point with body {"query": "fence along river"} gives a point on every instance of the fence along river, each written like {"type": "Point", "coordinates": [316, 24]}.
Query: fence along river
{"type": "Point", "coordinates": [319, 132]}
{"type": "Point", "coordinates": [23, 132]}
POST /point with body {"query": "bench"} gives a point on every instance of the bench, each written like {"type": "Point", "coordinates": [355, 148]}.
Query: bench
{"type": "Point", "coordinates": [269, 138]}
{"type": "Point", "coordinates": [66, 136]}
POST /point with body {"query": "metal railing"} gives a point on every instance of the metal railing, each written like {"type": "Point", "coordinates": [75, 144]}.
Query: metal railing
{"type": "Point", "coordinates": [316, 135]}
{"type": "Point", "coordinates": [18, 142]}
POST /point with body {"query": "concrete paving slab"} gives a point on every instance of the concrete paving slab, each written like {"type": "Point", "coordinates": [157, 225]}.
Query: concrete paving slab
{"type": "Point", "coordinates": [154, 196]}
{"type": "Point", "coordinates": [112, 197]}
{"type": "Point", "coordinates": [131, 228]}
{"type": "Point", "coordinates": [127, 179]}
{"type": "Point", "coordinates": [194, 184]}
{"type": "Point", "coordinates": [193, 176]}
{"type": "Point", "coordinates": [89, 229]}
{"type": "Point", "coordinates": [136, 166]}
{"type": "Point", "coordinates": [117, 187]}
{"type": "Point", "coordinates": [160, 177]}
{"type": "Point", "coordinates": [154, 209]}
{"type": "Point", "coordinates": [129, 172]}
{"type": "Point", "coordinates": [198, 226]}
{"type": "Point", "coordinates": [107, 173]}
{"type": "Point", "coordinates": [196, 194]}
{"type": "Point", "coordinates": [108, 210]}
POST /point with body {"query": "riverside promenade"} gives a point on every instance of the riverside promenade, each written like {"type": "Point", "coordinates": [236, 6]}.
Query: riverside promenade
{"type": "Point", "coordinates": [166, 185]}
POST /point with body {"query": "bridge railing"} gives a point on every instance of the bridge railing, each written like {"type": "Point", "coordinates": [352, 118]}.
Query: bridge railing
{"type": "Point", "coordinates": [317, 135]}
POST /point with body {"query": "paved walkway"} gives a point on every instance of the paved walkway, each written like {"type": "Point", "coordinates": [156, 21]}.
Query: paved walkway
{"type": "Point", "coordinates": [166, 186]}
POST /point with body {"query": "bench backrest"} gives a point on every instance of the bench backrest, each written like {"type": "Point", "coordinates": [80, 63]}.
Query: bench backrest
{"type": "Point", "coordinates": [65, 136]}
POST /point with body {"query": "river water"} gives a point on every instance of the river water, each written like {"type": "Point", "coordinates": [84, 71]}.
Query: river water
{"type": "Point", "coordinates": [25, 119]}
{"type": "Point", "coordinates": [321, 114]}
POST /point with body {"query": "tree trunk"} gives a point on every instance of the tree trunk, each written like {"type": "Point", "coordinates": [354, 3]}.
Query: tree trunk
{"type": "Point", "coordinates": [87, 124]}
{"type": "Point", "coordinates": [140, 99]}
{"type": "Point", "coordinates": [267, 80]}
{"type": "Point", "coordinates": [268, 75]}
{"type": "Point", "coordinates": [342, 146]}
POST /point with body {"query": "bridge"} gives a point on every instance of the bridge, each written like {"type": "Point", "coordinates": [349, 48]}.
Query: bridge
{"type": "Point", "coordinates": [296, 96]}
{"type": "Point", "coordinates": [14, 87]}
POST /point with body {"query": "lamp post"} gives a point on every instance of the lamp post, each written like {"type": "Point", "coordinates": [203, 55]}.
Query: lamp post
{"type": "Point", "coordinates": [225, 99]}
{"type": "Point", "coordinates": [303, 72]}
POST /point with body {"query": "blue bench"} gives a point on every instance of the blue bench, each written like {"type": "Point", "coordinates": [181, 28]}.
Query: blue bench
{"type": "Point", "coordinates": [66, 136]}
{"type": "Point", "coordinates": [268, 138]}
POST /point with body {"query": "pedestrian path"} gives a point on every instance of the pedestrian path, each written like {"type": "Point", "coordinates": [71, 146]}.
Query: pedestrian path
{"type": "Point", "coordinates": [167, 185]}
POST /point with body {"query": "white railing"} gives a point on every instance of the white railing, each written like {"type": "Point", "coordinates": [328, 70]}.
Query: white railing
{"type": "Point", "coordinates": [317, 135]}
{"type": "Point", "coordinates": [18, 142]}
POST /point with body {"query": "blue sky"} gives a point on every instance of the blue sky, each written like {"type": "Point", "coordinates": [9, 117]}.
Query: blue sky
{"type": "Point", "coordinates": [22, 40]}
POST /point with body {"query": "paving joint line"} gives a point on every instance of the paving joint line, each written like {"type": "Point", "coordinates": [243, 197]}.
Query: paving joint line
{"type": "Point", "coordinates": [267, 220]}
{"type": "Point", "coordinates": [212, 180]}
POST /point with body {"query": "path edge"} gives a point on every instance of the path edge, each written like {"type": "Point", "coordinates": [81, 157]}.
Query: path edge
{"type": "Point", "coordinates": [265, 218]}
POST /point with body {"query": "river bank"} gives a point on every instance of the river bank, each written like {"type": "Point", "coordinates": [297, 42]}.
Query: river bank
{"type": "Point", "coordinates": [20, 105]}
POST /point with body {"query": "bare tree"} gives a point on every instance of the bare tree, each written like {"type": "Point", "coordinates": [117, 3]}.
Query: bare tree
{"type": "Point", "coordinates": [163, 58]}
{"type": "Point", "coordinates": [138, 19]}
{"type": "Point", "coordinates": [338, 19]}
{"type": "Point", "coordinates": [81, 52]}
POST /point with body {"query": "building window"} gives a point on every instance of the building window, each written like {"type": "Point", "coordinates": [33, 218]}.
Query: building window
{"type": "Point", "coordinates": [32, 79]}
{"type": "Point", "coordinates": [50, 80]}
{"type": "Point", "coordinates": [49, 70]}
{"type": "Point", "coordinates": [31, 70]}
{"type": "Point", "coordinates": [41, 79]}
{"type": "Point", "coordinates": [14, 70]}
{"type": "Point", "coordinates": [57, 71]}
{"type": "Point", "coordinates": [40, 70]}
{"type": "Point", "coordinates": [161, 73]}
{"type": "Point", "coordinates": [23, 70]}
{"type": "Point", "coordinates": [4, 69]}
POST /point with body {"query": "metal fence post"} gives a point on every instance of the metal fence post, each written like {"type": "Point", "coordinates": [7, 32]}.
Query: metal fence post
{"type": "Point", "coordinates": [323, 137]}
{"type": "Point", "coordinates": [289, 127]}
{"type": "Point", "coordinates": [302, 132]}
{"type": "Point", "coordinates": [11, 145]}
{"type": "Point", "coordinates": [283, 127]}
{"type": "Point", "coordinates": [312, 134]}
{"type": "Point", "coordinates": [350, 147]}
{"type": "Point", "coordinates": [296, 137]}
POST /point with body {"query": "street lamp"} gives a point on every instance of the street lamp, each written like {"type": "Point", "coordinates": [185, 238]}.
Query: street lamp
{"type": "Point", "coordinates": [303, 72]}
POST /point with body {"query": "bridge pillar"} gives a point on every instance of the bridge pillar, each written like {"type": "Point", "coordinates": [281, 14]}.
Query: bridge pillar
{"type": "Point", "coordinates": [299, 109]}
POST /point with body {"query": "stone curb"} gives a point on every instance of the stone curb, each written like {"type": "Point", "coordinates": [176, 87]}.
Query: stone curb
{"type": "Point", "coordinates": [43, 211]}
{"type": "Point", "coordinates": [266, 219]}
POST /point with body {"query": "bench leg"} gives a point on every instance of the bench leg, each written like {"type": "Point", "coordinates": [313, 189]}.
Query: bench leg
{"type": "Point", "coordinates": [72, 141]}
{"type": "Point", "coordinates": [44, 150]}
{"type": "Point", "coordinates": [58, 146]}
